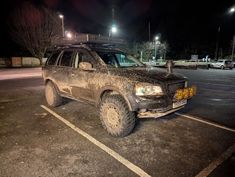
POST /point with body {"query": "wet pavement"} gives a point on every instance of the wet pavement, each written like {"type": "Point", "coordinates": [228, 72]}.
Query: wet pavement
{"type": "Point", "coordinates": [33, 142]}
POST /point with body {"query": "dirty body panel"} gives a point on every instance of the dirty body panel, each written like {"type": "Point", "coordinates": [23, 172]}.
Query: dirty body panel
{"type": "Point", "coordinates": [91, 85]}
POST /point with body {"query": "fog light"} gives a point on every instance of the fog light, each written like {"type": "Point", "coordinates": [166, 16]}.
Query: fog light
{"type": "Point", "coordinates": [185, 93]}
{"type": "Point", "coordinates": [191, 92]}
{"type": "Point", "coordinates": [179, 94]}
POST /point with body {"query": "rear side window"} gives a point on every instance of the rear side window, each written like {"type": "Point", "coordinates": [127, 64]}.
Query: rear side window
{"type": "Point", "coordinates": [67, 59]}
{"type": "Point", "coordinates": [53, 58]}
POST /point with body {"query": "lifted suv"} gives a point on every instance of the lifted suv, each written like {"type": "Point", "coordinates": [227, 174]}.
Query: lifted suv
{"type": "Point", "coordinates": [121, 86]}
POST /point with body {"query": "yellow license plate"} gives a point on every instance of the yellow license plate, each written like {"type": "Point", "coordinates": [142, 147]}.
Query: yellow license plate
{"type": "Point", "coordinates": [185, 93]}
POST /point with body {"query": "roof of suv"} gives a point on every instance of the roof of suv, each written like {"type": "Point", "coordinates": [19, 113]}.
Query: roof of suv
{"type": "Point", "coordinates": [90, 42]}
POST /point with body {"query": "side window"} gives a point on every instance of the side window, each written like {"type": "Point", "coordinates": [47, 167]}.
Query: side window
{"type": "Point", "coordinates": [53, 58]}
{"type": "Point", "coordinates": [109, 58]}
{"type": "Point", "coordinates": [84, 56]}
{"type": "Point", "coordinates": [66, 59]}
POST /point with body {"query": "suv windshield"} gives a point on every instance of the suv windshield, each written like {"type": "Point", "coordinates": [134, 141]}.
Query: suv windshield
{"type": "Point", "coordinates": [118, 59]}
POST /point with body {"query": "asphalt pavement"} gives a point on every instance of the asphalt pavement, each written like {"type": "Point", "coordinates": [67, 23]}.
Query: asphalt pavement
{"type": "Point", "coordinates": [36, 140]}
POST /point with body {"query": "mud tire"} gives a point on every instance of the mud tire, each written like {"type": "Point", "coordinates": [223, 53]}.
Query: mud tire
{"type": "Point", "coordinates": [52, 96]}
{"type": "Point", "coordinates": [115, 116]}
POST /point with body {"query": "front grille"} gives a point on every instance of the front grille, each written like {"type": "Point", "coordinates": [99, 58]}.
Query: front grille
{"type": "Point", "coordinates": [174, 86]}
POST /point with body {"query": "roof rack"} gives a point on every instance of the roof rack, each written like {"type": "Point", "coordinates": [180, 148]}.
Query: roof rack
{"type": "Point", "coordinates": [89, 39]}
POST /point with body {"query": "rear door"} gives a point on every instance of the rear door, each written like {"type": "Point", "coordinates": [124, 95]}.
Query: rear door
{"type": "Point", "coordinates": [64, 67]}
{"type": "Point", "coordinates": [50, 67]}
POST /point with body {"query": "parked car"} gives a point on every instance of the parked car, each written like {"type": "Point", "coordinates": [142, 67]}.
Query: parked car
{"type": "Point", "coordinates": [121, 87]}
{"type": "Point", "coordinates": [222, 64]}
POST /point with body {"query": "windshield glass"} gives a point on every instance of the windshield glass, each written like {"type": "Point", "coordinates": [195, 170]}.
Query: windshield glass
{"type": "Point", "coordinates": [119, 59]}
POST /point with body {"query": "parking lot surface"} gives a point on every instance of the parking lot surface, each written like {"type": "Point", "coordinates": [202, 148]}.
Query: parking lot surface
{"type": "Point", "coordinates": [197, 141]}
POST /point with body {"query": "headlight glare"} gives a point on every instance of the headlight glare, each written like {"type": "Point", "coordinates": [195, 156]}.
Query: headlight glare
{"type": "Point", "coordinates": [148, 90]}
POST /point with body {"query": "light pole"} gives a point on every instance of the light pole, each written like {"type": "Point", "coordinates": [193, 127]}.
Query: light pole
{"type": "Point", "coordinates": [62, 24]}
{"type": "Point", "coordinates": [231, 11]}
{"type": "Point", "coordinates": [217, 44]}
{"type": "Point", "coordinates": [156, 40]}
{"type": "Point", "coordinates": [233, 47]}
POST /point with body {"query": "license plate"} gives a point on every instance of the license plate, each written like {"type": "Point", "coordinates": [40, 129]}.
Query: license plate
{"type": "Point", "coordinates": [179, 103]}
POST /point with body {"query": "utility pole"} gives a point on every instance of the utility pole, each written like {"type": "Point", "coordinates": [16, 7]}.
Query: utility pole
{"type": "Point", "coordinates": [149, 31]}
{"type": "Point", "coordinates": [217, 44]}
{"type": "Point", "coordinates": [62, 24]}
{"type": "Point", "coordinates": [233, 47]}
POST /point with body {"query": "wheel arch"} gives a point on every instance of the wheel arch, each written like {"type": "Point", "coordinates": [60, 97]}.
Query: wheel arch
{"type": "Point", "coordinates": [112, 90]}
{"type": "Point", "coordinates": [53, 82]}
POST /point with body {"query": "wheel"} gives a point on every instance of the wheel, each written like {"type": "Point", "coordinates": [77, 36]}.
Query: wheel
{"type": "Point", "coordinates": [52, 96]}
{"type": "Point", "coordinates": [115, 116]}
{"type": "Point", "coordinates": [222, 67]}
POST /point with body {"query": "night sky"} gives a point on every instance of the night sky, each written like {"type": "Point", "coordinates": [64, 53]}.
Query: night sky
{"type": "Point", "coordinates": [186, 25]}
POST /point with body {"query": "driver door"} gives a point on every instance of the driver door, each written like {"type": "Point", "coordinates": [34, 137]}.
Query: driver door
{"type": "Point", "coordinates": [81, 80]}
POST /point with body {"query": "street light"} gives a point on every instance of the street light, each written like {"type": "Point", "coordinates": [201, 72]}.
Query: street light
{"type": "Point", "coordinates": [113, 30]}
{"type": "Point", "coordinates": [232, 10]}
{"type": "Point", "coordinates": [156, 41]}
{"type": "Point", "coordinates": [62, 23]}
{"type": "Point", "coordinates": [156, 38]}
{"type": "Point", "coordinates": [69, 35]}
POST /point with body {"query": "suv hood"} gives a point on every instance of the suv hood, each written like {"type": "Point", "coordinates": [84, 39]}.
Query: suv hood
{"type": "Point", "coordinates": [147, 74]}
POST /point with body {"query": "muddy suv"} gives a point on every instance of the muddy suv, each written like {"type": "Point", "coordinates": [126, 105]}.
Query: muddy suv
{"type": "Point", "coordinates": [122, 87]}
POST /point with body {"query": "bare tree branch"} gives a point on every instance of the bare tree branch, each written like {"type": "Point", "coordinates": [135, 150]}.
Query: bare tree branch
{"type": "Point", "coordinates": [35, 28]}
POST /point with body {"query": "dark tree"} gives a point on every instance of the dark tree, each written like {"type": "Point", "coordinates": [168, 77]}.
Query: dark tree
{"type": "Point", "coordinates": [35, 28]}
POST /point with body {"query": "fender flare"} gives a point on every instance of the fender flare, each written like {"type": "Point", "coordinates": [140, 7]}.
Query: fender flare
{"type": "Point", "coordinates": [111, 88]}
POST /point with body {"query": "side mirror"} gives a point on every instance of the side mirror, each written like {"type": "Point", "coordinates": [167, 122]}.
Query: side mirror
{"type": "Point", "coordinates": [86, 66]}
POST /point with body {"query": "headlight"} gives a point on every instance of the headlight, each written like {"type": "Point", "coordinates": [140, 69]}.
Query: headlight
{"type": "Point", "coordinates": [145, 89]}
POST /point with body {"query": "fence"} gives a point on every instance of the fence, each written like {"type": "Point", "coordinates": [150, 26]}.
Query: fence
{"type": "Point", "coordinates": [19, 62]}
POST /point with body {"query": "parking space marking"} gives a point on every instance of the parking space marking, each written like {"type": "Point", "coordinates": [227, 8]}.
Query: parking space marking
{"type": "Point", "coordinates": [111, 152]}
{"type": "Point", "coordinates": [212, 166]}
{"type": "Point", "coordinates": [206, 122]}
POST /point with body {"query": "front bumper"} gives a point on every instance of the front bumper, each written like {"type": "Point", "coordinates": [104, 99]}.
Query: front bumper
{"type": "Point", "coordinates": [158, 107]}
{"type": "Point", "coordinates": [156, 114]}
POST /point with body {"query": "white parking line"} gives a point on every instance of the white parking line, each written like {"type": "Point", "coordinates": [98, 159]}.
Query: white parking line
{"type": "Point", "coordinates": [206, 122]}
{"type": "Point", "coordinates": [111, 152]}
{"type": "Point", "coordinates": [223, 157]}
